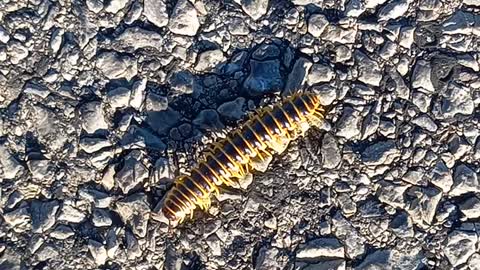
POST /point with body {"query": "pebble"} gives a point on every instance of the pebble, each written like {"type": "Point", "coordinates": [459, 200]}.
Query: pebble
{"type": "Point", "coordinates": [138, 93]}
{"type": "Point", "coordinates": [98, 252]}
{"type": "Point", "coordinates": [425, 122]}
{"type": "Point", "coordinates": [331, 155]}
{"type": "Point", "coordinates": [98, 198]}
{"type": "Point", "coordinates": [62, 232]}
{"type": "Point", "coordinates": [207, 60]}
{"type": "Point", "coordinates": [92, 145]}
{"type": "Point", "coordinates": [116, 66]}
{"type": "Point", "coordinates": [348, 126]}
{"type": "Point", "coordinates": [156, 12]}
{"type": "Point", "coordinates": [326, 92]}
{"type": "Point", "coordinates": [382, 152]}
{"type": "Point", "coordinates": [156, 102]}
{"type": "Point", "coordinates": [233, 110]}
{"type": "Point", "coordinates": [297, 77]}
{"type": "Point", "coordinates": [460, 246]}
{"type": "Point", "coordinates": [115, 6]}
{"type": "Point", "coordinates": [133, 172]}
{"type": "Point", "coordinates": [317, 24]}
{"type": "Point", "coordinates": [457, 100]}
{"type": "Point", "coordinates": [71, 214]}
{"type": "Point", "coordinates": [321, 247]}
{"type": "Point", "coordinates": [43, 215]}
{"type": "Point", "coordinates": [393, 10]}
{"type": "Point", "coordinates": [369, 70]}
{"type": "Point", "coordinates": [421, 77]}
{"type": "Point", "coordinates": [470, 207]}
{"type": "Point", "coordinates": [423, 203]}
{"type": "Point", "coordinates": [101, 218]}
{"type": "Point", "coordinates": [254, 8]}
{"type": "Point", "coordinates": [36, 89]}
{"type": "Point", "coordinates": [134, 210]}
{"type": "Point", "coordinates": [464, 180]}
{"type": "Point", "coordinates": [19, 217]}
{"type": "Point", "coordinates": [184, 20]}
{"type": "Point", "coordinates": [208, 119]}
{"type": "Point", "coordinates": [10, 166]}
{"type": "Point", "coordinates": [92, 117]}
{"type": "Point", "coordinates": [320, 73]}
{"type": "Point", "coordinates": [264, 77]}
{"type": "Point", "coordinates": [139, 38]}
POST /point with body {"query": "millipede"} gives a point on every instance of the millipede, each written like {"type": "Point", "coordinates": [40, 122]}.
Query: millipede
{"type": "Point", "coordinates": [268, 131]}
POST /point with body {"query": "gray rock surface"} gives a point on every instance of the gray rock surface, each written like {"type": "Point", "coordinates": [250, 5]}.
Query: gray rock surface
{"type": "Point", "coordinates": [103, 103]}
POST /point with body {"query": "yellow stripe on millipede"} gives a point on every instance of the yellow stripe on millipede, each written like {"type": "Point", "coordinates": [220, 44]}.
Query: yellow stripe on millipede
{"type": "Point", "coordinates": [213, 186]}
{"type": "Point", "coordinates": [186, 196]}
{"type": "Point", "coordinates": [300, 115]}
{"type": "Point", "coordinates": [236, 148]}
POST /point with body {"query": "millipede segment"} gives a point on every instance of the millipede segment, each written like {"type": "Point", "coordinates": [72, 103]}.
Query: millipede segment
{"type": "Point", "coordinates": [267, 132]}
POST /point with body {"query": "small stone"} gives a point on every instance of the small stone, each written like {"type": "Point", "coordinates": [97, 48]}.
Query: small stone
{"type": "Point", "coordinates": [17, 218]}
{"type": "Point", "coordinates": [92, 145]}
{"type": "Point", "coordinates": [421, 100]}
{"type": "Point", "coordinates": [135, 211]}
{"type": "Point", "coordinates": [320, 73]}
{"type": "Point", "coordinates": [156, 12]}
{"type": "Point", "coordinates": [457, 100]}
{"type": "Point", "coordinates": [92, 117]}
{"type": "Point", "coordinates": [207, 60]}
{"type": "Point", "coordinates": [56, 40]}
{"type": "Point", "coordinates": [138, 93]}
{"type": "Point", "coordinates": [322, 247]}
{"type": "Point", "coordinates": [393, 10]}
{"type": "Point", "coordinates": [40, 169]}
{"type": "Point", "coordinates": [43, 215]}
{"type": "Point", "coordinates": [47, 252]}
{"type": "Point", "coordinates": [373, 3]}
{"type": "Point", "coordinates": [421, 78]}
{"type": "Point", "coordinates": [401, 225]}
{"type": "Point", "coordinates": [101, 218]}
{"type": "Point", "coordinates": [10, 166]}
{"type": "Point", "coordinates": [441, 177]}
{"type": "Point", "coordinates": [254, 8]}
{"type": "Point", "coordinates": [326, 93]}
{"type": "Point", "coordinates": [265, 77]}
{"type": "Point", "coordinates": [4, 36]}
{"type": "Point", "coordinates": [133, 172]}
{"type": "Point", "coordinates": [183, 82]}
{"type": "Point", "coordinates": [98, 198]}
{"type": "Point", "coordinates": [369, 70]}
{"type": "Point", "coordinates": [95, 5]}
{"type": "Point", "coordinates": [464, 180]}
{"type": "Point", "coordinates": [115, 66]}
{"type": "Point", "coordinates": [383, 152]}
{"type": "Point", "coordinates": [425, 122]}
{"type": "Point", "coordinates": [112, 242]}
{"type": "Point", "coordinates": [297, 77]}
{"type": "Point", "coordinates": [391, 194]}
{"type": "Point", "coordinates": [62, 232]}
{"type": "Point", "coordinates": [98, 252]}
{"type": "Point", "coordinates": [155, 102]}
{"type": "Point", "coordinates": [470, 207]}
{"type": "Point", "coordinates": [460, 246]}
{"type": "Point", "coordinates": [138, 38]}
{"type": "Point", "coordinates": [232, 110]}
{"type": "Point", "coordinates": [214, 244]}
{"type": "Point", "coordinates": [348, 126]}
{"type": "Point", "coordinates": [132, 246]}
{"type": "Point", "coordinates": [354, 8]}
{"type": "Point", "coordinates": [161, 122]}
{"type": "Point", "coordinates": [423, 203]}
{"type": "Point", "coordinates": [36, 89]}
{"type": "Point", "coordinates": [71, 214]}
{"type": "Point", "coordinates": [184, 20]}
{"type": "Point", "coordinates": [317, 24]}
{"type": "Point", "coordinates": [458, 146]}
{"type": "Point", "coordinates": [331, 156]}
{"type": "Point", "coordinates": [474, 261]}
{"type": "Point", "coordinates": [17, 52]}
{"type": "Point", "coordinates": [208, 119]}
{"type": "Point", "coordinates": [115, 6]}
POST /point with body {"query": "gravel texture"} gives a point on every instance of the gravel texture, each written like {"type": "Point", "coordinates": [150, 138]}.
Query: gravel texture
{"type": "Point", "coordinates": [103, 102]}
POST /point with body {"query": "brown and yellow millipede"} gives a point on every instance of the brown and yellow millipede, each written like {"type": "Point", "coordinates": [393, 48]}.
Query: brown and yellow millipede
{"type": "Point", "coordinates": [269, 131]}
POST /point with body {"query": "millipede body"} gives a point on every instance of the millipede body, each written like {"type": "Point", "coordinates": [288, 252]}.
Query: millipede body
{"type": "Point", "coordinates": [266, 133]}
